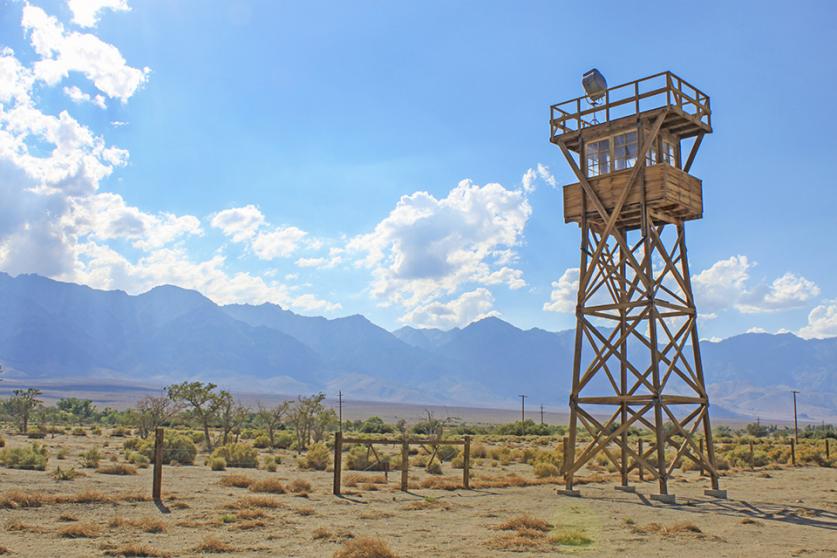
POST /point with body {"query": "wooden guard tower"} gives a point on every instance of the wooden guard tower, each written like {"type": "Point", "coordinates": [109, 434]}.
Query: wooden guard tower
{"type": "Point", "coordinates": [637, 357]}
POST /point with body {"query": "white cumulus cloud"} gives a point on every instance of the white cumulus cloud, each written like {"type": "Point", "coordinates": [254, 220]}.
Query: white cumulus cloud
{"type": "Point", "coordinates": [78, 96]}
{"type": "Point", "coordinates": [427, 248]}
{"type": "Point", "coordinates": [564, 295]}
{"type": "Point", "coordinates": [466, 308]}
{"type": "Point", "coordinates": [62, 52]}
{"type": "Point", "coordinates": [239, 223]}
{"type": "Point", "coordinates": [822, 321]}
{"type": "Point", "coordinates": [86, 12]}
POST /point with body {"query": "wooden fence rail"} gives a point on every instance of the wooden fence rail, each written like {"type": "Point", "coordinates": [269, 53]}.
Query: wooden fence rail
{"type": "Point", "coordinates": [405, 443]}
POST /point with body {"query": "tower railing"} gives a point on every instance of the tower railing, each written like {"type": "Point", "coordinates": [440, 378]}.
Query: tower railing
{"type": "Point", "coordinates": [662, 90]}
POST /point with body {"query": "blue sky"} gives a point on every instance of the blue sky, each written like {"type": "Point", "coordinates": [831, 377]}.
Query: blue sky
{"type": "Point", "coordinates": [312, 154]}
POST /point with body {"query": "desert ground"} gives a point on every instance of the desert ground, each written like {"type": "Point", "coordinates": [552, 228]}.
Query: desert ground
{"type": "Point", "coordinates": [773, 511]}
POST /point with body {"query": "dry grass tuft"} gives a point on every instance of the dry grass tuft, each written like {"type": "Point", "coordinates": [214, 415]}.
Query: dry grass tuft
{"type": "Point", "coordinates": [137, 550]}
{"type": "Point", "coordinates": [750, 521]}
{"type": "Point", "coordinates": [441, 483]}
{"type": "Point", "coordinates": [14, 499]}
{"type": "Point", "coordinates": [679, 528]}
{"type": "Point", "coordinates": [250, 514]}
{"type": "Point", "coordinates": [325, 534]}
{"type": "Point", "coordinates": [20, 526]}
{"type": "Point", "coordinates": [80, 531]}
{"type": "Point", "coordinates": [354, 479]}
{"type": "Point", "coordinates": [271, 486]}
{"type": "Point", "coordinates": [237, 481]}
{"type": "Point", "coordinates": [250, 524]}
{"type": "Point", "coordinates": [117, 469]}
{"type": "Point", "coordinates": [427, 504]}
{"type": "Point", "coordinates": [524, 522]}
{"type": "Point", "coordinates": [212, 545]}
{"type": "Point", "coordinates": [300, 486]}
{"type": "Point", "coordinates": [526, 540]}
{"type": "Point", "coordinates": [305, 512]}
{"type": "Point", "coordinates": [255, 502]}
{"type": "Point", "coordinates": [365, 547]}
{"type": "Point", "coordinates": [67, 517]}
{"type": "Point", "coordinates": [83, 497]}
{"type": "Point", "coordinates": [146, 524]}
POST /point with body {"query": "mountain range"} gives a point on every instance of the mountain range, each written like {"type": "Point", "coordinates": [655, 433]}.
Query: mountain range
{"type": "Point", "coordinates": [50, 330]}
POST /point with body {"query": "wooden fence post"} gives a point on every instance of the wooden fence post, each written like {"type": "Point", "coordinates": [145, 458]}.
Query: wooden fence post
{"type": "Point", "coordinates": [466, 464]}
{"type": "Point", "coordinates": [701, 456]}
{"type": "Point", "coordinates": [405, 464]}
{"type": "Point", "coordinates": [338, 461]}
{"type": "Point", "coordinates": [639, 464]}
{"type": "Point", "coordinates": [565, 452]}
{"type": "Point", "coordinates": [157, 484]}
{"type": "Point", "coordinates": [752, 457]}
{"type": "Point", "coordinates": [793, 452]}
{"type": "Point", "coordinates": [827, 450]}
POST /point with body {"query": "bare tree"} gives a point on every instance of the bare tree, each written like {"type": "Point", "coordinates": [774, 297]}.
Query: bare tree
{"type": "Point", "coordinates": [271, 418]}
{"type": "Point", "coordinates": [152, 412]}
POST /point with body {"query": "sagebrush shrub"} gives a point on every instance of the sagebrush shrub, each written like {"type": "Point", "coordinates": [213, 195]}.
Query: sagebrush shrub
{"type": "Point", "coordinates": [177, 448]}
{"type": "Point", "coordinates": [238, 455]}
{"type": "Point", "coordinates": [316, 458]}
{"type": "Point", "coordinates": [34, 457]}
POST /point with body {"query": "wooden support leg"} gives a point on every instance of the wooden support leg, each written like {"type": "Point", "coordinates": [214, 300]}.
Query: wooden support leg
{"type": "Point", "coordinates": [466, 464]}
{"type": "Point", "coordinates": [157, 485]}
{"type": "Point", "coordinates": [338, 461]}
{"type": "Point", "coordinates": [405, 465]}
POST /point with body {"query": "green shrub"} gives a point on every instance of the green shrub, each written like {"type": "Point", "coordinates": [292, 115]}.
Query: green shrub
{"type": "Point", "coordinates": [37, 434]}
{"type": "Point", "coordinates": [238, 455]}
{"type": "Point", "coordinates": [96, 431]}
{"type": "Point", "coordinates": [79, 431]}
{"type": "Point", "coordinates": [90, 458]}
{"type": "Point", "coordinates": [120, 432]}
{"type": "Point", "coordinates": [177, 448]}
{"type": "Point", "coordinates": [446, 453]}
{"type": "Point", "coordinates": [434, 468]}
{"type": "Point", "coordinates": [261, 441]}
{"type": "Point", "coordinates": [545, 469]}
{"type": "Point", "coordinates": [138, 459]}
{"type": "Point", "coordinates": [132, 444]}
{"type": "Point", "coordinates": [34, 457]}
{"type": "Point", "coordinates": [283, 440]}
{"type": "Point", "coordinates": [317, 457]}
{"type": "Point", "coordinates": [217, 464]}
{"type": "Point", "coordinates": [60, 474]}
{"type": "Point", "coordinates": [360, 458]}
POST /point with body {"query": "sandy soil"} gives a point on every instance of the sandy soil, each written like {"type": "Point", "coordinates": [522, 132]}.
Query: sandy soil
{"type": "Point", "coordinates": [777, 512]}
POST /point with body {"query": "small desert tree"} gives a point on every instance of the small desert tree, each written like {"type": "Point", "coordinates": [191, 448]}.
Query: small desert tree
{"type": "Point", "coordinates": [80, 409]}
{"type": "Point", "coordinates": [303, 417]}
{"type": "Point", "coordinates": [231, 415]}
{"type": "Point", "coordinates": [203, 402]}
{"type": "Point", "coordinates": [324, 421]}
{"type": "Point", "coordinates": [22, 404]}
{"type": "Point", "coordinates": [271, 418]}
{"type": "Point", "coordinates": [152, 412]}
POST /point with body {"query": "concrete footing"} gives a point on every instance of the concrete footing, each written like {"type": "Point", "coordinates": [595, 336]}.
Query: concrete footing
{"type": "Point", "coordinates": [631, 489]}
{"type": "Point", "coordinates": [573, 493]}
{"type": "Point", "coordinates": [722, 494]}
{"type": "Point", "coordinates": [664, 498]}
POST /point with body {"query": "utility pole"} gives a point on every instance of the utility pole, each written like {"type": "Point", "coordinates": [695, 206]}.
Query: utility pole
{"type": "Point", "coordinates": [795, 423]}
{"type": "Point", "coordinates": [541, 415]}
{"type": "Point", "coordinates": [522, 408]}
{"type": "Point", "coordinates": [340, 409]}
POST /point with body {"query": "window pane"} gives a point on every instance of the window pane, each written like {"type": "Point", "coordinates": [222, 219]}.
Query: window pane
{"type": "Point", "coordinates": [624, 151]}
{"type": "Point", "coordinates": [598, 158]}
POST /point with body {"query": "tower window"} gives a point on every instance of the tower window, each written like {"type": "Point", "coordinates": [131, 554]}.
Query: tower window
{"type": "Point", "coordinates": [669, 153]}
{"type": "Point", "coordinates": [598, 157]}
{"type": "Point", "coordinates": [624, 151]}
